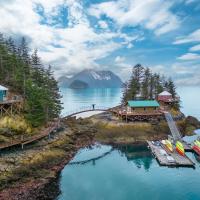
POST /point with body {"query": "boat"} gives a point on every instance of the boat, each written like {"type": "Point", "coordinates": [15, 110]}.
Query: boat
{"type": "Point", "coordinates": [180, 148]}
{"type": "Point", "coordinates": [169, 146]}
{"type": "Point", "coordinates": [196, 147]}
{"type": "Point", "coordinates": [196, 142]}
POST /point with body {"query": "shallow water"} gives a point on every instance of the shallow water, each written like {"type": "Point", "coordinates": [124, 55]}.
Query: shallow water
{"type": "Point", "coordinates": [127, 173]}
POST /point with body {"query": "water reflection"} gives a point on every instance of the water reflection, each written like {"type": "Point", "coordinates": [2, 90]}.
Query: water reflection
{"type": "Point", "coordinates": [138, 154]}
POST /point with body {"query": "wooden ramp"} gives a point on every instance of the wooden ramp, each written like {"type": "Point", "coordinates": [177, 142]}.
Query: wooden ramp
{"type": "Point", "coordinates": [27, 140]}
{"type": "Point", "coordinates": [169, 159]}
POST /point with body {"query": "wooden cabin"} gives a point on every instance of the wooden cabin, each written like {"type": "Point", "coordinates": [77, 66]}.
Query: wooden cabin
{"type": "Point", "coordinates": [10, 104]}
{"type": "Point", "coordinates": [143, 106]}
{"type": "Point", "coordinates": [3, 93]}
{"type": "Point", "coordinates": [140, 110]}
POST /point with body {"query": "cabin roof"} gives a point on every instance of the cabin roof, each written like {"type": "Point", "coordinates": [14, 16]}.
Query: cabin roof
{"type": "Point", "coordinates": [145, 103]}
{"type": "Point", "coordinates": [165, 93]}
{"type": "Point", "coordinates": [2, 88]}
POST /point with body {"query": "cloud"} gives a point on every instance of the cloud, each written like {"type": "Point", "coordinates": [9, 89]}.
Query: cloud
{"type": "Point", "coordinates": [153, 15]}
{"type": "Point", "coordinates": [103, 24]}
{"type": "Point", "coordinates": [190, 1]}
{"type": "Point", "coordinates": [119, 59]}
{"type": "Point", "coordinates": [71, 48]}
{"type": "Point", "coordinates": [189, 56]}
{"type": "Point", "coordinates": [195, 48]}
{"type": "Point", "coordinates": [192, 37]}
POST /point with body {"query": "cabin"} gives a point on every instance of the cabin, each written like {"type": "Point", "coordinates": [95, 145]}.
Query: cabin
{"type": "Point", "coordinates": [165, 97]}
{"type": "Point", "coordinates": [141, 106]}
{"type": "Point", "coordinates": [10, 104]}
{"type": "Point", "coordinates": [140, 110]}
{"type": "Point", "coordinates": [3, 93]}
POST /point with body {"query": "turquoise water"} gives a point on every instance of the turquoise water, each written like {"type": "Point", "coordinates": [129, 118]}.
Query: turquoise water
{"type": "Point", "coordinates": [128, 172]}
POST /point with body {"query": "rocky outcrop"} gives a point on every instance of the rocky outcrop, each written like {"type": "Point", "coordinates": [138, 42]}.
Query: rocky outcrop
{"type": "Point", "coordinates": [192, 121]}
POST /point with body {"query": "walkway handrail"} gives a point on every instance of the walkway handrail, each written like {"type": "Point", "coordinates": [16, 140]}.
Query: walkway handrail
{"type": "Point", "coordinates": [84, 109]}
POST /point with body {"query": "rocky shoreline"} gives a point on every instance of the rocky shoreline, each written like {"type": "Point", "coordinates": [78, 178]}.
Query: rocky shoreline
{"type": "Point", "coordinates": [77, 134]}
{"type": "Point", "coordinates": [34, 189]}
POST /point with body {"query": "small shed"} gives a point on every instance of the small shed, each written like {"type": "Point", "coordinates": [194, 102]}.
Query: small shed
{"type": "Point", "coordinates": [3, 92]}
{"type": "Point", "coordinates": [165, 96]}
{"type": "Point", "coordinates": [141, 106]}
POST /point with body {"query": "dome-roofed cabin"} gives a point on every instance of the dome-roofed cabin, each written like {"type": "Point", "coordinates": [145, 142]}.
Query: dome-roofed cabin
{"type": "Point", "coordinates": [165, 97]}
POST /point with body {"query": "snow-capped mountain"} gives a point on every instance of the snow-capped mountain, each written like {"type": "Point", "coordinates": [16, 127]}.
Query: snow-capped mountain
{"type": "Point", "coordinates": [91, 79]}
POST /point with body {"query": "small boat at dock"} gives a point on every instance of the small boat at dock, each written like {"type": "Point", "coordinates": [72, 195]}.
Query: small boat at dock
{"type": "Point", "coordinates": [196, 147]}
{"type": "Point", "coordinates": [168, 145]}
{"type": "Point", "coordinates": [180, 148]}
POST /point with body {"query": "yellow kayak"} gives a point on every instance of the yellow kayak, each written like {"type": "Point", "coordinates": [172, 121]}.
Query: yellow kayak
{"type": "Point", "coordinates": [197, 143]}
{"type": "Point", "coordinates": [179, 148]}
{"type": "Point", "coordinates": [169, 145]}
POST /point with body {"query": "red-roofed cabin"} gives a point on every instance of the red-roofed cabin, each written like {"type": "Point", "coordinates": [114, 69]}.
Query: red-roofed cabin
{"type": "Point", "coordinates": [165, 97]}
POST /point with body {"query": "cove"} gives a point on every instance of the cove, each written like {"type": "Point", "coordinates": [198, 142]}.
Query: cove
{"type": "Point", "coordinates": [127, 172]}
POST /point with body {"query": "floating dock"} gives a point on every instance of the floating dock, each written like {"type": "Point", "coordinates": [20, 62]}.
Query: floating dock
{"type": "Point", "coordinates": [171, 159]}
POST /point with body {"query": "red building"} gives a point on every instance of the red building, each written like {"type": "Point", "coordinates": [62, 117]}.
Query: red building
{"type": "Point", "coordinates": [165, 97]}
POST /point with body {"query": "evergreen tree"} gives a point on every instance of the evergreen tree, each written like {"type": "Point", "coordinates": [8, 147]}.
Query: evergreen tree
{"type": "Point", "coordinates": [171, 87]}
{"type": "Point", "coordinates": [146, 84]}
{"type": "Point", "coordinates": [37, 84]}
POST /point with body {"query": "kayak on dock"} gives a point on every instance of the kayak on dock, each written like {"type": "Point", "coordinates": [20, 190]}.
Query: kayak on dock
{"type": "Point", "coordinates": [196, 147]}
{"type": "Point", "coordinates": [196, 142]}
{"type": "Point", "coordinates": [180, 148]}
{"type": "Point", "coordinates": [168, 145]}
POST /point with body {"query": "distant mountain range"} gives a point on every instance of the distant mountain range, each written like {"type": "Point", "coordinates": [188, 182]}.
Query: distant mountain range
{"type": "Point", "coordinates": [91, 79]}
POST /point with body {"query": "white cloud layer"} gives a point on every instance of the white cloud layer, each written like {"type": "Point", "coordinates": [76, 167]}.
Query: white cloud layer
{"type": "Point", "coordinates": [190, 56]}
{"type": "Point", "coordinates": [71, 48]}
{"type": "Point", "coordinates": [193, 37]}
{"type": "Point", "coordinates": [151, 14]}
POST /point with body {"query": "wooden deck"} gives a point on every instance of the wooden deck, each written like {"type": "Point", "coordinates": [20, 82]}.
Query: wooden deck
{"type": "Point", "coordinates": [164, 159]}
{"type": "Point", "coordinates": [27, 140]}
{"type": "Point", "coordinates": [10, 102]}
{"type": "Point", "coordinates": [147, 113]}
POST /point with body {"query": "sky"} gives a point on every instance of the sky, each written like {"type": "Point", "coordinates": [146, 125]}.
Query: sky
{"type": "Point", "coordinates": [73, 35]}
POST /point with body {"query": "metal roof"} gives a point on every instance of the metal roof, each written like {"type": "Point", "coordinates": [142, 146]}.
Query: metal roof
{"type": "Point", "coordinates": [165, 93]}
{"type": "Point", "coordinates": [145, 103]}
{"type": "Point", "coordinates": [2, 88]}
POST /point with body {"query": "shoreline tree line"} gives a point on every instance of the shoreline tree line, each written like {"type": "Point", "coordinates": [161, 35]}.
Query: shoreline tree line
{"type": "Point", "coordinates": [25, 75]}
{"type": "Point", "coordinates": [144, 84]}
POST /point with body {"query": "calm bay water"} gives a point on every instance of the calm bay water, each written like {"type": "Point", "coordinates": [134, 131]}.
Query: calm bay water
{"type": "Point", "coordinates": [75, 99]}
{"type": "Point", "coordinates": [128, 172]}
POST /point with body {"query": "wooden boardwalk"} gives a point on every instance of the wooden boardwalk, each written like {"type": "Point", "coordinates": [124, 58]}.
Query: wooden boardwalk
{"type": "Point", "coordinates": [27, 140]}
{"type": "Point", "coordinates": [171, 159]}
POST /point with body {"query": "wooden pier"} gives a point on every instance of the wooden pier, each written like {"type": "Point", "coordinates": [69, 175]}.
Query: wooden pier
{"type": "Point", "coordinates": [171, 159]}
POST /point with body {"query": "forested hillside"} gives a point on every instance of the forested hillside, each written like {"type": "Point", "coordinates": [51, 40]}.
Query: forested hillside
{"type": "Point", "coordinates": [25, 74]}
{"type": "Point", "coordinates": [147, 85]}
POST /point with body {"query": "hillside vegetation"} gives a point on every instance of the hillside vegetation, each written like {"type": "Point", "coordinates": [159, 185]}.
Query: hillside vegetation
{"type": "Point", "coordinates": [24, 74]}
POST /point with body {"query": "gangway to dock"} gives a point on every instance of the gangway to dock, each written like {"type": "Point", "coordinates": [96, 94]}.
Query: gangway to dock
{"type": "Point", "coordinates": [172, 126]}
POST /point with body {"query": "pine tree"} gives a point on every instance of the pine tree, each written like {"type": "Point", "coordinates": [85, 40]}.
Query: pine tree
{"type": "Point", "coordinates": [171, 88]}
{"type": "Point", "coordinates": [146, 83]}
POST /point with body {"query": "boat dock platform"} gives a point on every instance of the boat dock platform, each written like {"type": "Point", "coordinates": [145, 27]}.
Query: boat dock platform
{"type": "Point", "coordinates": [171, 159]}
